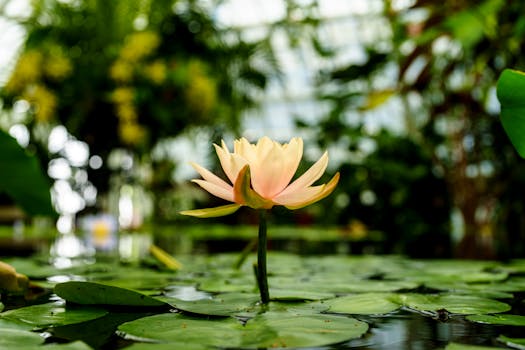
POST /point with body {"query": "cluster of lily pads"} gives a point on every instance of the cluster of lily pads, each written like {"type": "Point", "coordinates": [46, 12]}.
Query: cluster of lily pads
{"type": "Point", "coordinates": [316, 301]}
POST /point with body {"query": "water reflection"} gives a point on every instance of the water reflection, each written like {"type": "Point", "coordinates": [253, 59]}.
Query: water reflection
{"type": "Point", "coordinates": [410, 331]}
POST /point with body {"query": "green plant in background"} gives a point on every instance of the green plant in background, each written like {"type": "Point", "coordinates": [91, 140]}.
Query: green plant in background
{"type": "Point", "coordinates": [130, 73]}
{"type": "Point", "coordinates": [451, 60]}
{"type": "Point", "coordinates": [22, 178]}
{"type": "Point", "coordinates": [260, 176]}
{"type": "Point", "coordinates": [436, 73]}
{"type": "Point", "coordinates": [511, 94]}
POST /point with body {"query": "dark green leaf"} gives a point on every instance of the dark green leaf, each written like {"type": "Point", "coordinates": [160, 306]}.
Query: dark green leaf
{"type": "Point", "coordinates": [511, 95]}
{"type": "Point", "coordinates": [455, 304]}
{"type": "Point", "coordinates": [90, 293]}
{"type": "Point", "coordinates": [22, 178]}
{"type": "Point", "coordinates": [515, 343]}
{"type": "Point", "coordinates": [18, 339]}
{"type": "Point", "coordinates": [52, 314]}
{"type": "Point", "coordinates": [508, 320]}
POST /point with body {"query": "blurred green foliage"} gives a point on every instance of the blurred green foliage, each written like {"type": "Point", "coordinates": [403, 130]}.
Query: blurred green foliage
{"type": "Point", "coordinates": [129, 73]}
{"type": "Point", "coordinates": [452, 155]}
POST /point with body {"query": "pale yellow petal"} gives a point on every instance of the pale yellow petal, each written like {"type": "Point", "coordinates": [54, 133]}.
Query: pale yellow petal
{"type": "Point", "coordinates": [245, 149]}
{"type": "Point", "coordinates": [264, 146]}
{"type": "Point", "coordinates": [216, 190]}
{"type": "Point", "coordinates": [230, 163]}
{"type": "Point", "coordinates": [225, 159]}
{"type": "Point", "coordinates": [209, 176]}
{"type": "Point", "coordinates": [308, 178]}
{"type": "Point", "coordinates": [308, 195]}
{"type": "Point", "coordinates": [271, 174]}
{"type": "Point", "coordinates": [212, 212]}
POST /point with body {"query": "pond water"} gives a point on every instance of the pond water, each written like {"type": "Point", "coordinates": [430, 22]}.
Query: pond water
{"type": "Point", "coordinates": [366, 302]}
{"type": "Point", "coordinates": [404, 330]}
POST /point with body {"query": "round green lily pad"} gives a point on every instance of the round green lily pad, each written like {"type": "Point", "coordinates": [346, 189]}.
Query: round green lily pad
{"type": "Point", "coordinates": [76, 345]}
{"type": "Point", "coordinates": [457, 346]}
{"type": "Point", "coordinates": [363, 304]}
{"type": "Point", "coordinates": [225, 304]}
{"type": "Point", "coordinates": [518, 343]}
{"type": "Point", "coordinates": [504, 319]}
{"type": "Point", "coordinates": [298, 295]}
{"type": "Point", "coordinates": [18, 339]}
{"type": "Point", "coordinates": [170, 327]}
{"type": "Point", "coordinates": [455, 304]}
{"type": "Point", "coordinates": [167, 346]}
{"type": "Point", "coordinates": [52, 314]}
{"type": "Point", "coordinates": [485, 290]}
{"type": "Point", "coordinates": [91, 293]}
{"type": "Point", "coordinates": [271, 329]}
{"type": "Point", "coordinates": [278, 330]}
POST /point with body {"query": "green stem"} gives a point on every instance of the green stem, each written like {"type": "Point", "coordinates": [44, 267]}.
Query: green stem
{"type": "Point", "coordinates": [262, 279]}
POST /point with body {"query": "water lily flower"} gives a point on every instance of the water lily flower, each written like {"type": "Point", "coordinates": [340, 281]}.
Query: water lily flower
{"type": "Point", "coordinates": [261, 177]}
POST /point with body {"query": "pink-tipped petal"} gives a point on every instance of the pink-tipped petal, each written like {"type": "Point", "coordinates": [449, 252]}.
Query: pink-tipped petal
{"type": "Point", "coordinates": [216, 190]}
{"type": "Point", "coordinates": [308, 195]}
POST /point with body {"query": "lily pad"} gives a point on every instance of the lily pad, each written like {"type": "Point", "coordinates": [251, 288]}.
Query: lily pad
{"type": "Point", "coordinates": [224, 285]}
{"type": "Point", "coordinates": [485, 290]}
{"type": "Point", "coordinates": [279, 330]}
{"type": "Point", "coordinates": [76, 345]}
{"type": "Point", "coordinates": [363, 304]}
{"type": "Point", "coordinates": [170, 327]}
{"type": "Point", "coordinates": [515, 343]}
{"type": "Point", "coordinates": [298, 295]}
{"type": "Point", "coordinates": [52, 314]}
{"type": "Point", "coordinates": [455, 304]}
{"type": "Point", "coordinates": [18, 339]}
{"type": "Point", "coordinates": [271, 329]}
{"type": "Point", "coordinates": [225, 304]}
{"type": "Point", "coordinates": [505, 319]}
{"type": "Point", "coordinates": [457, 346]}
{"type": "Point", "coordinates": [91, 293]}
{"type": "Point", "coordinates": [333, 283]}
{"type": "Point", "coordinates": [167, 346]}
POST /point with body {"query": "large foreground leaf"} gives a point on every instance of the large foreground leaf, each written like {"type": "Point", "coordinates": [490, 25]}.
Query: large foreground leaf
{"type": "Point", "coordinates": [90, 293]}
{"type": "Point", "coordinates": [271, 329]}
{"type": "Point", "coordinates": [52, 314]}
{"type": "Point", "coordinates": [18, 339]}
{"type": "Point", "coordinates": [302, 331]}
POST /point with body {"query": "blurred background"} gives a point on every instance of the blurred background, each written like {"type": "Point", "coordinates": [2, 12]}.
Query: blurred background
{"type": "Point", "coordinates": [113, 98]}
